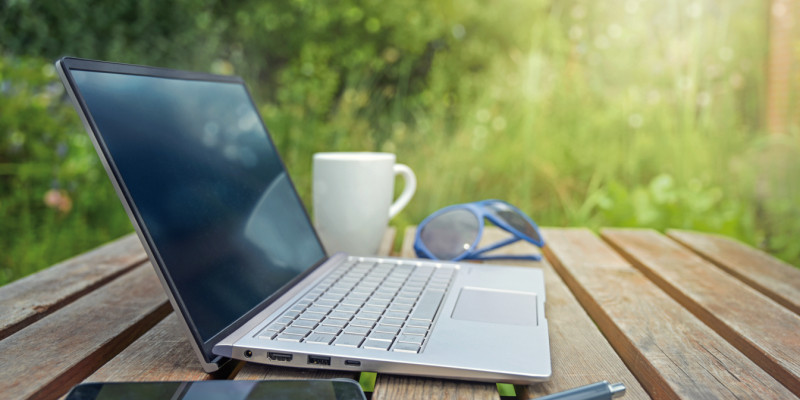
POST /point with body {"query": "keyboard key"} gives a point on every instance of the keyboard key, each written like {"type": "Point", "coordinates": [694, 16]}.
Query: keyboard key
{"type": "Point", "coordinates": [339, 323]}
{"type": "Point", "coordinates": [397, 315]}
{"type": "Point", "coordinates": [303, 323]}
{"type": "Point", "coordinates": [320, 309]}
{"type": "Point", "coordinates": [368, 315]}
{"type": "Point", "coordinates": [392, 321]}
{"type": "Point", "coordinates": [285, 337]}
{"type": "Point", "coordinates": [325, 303]}
{"type": "Point", "coordinates": [290, 314]}
{"type": "Point", "coordinates": [340, 315]}
{"type": "Point", "coordinates": [376, 344]}
{"type": "Point", "coordinates": [284, 320]}
{"type": "Point", "coordinates": [311, 316]}
{"type": "Point", "coordinates": [387, 328]}
{"type": "Point", "coordinates": [427, 305]}
{"type": "Point", "coordinates": [385, 336]}
{"type": "Point", "coordinates": [368, 323]}
{"type": "Point", "coordinates": [347, 340]}
{"type": "Point", "coordinates": [377, 303]}
{"type": "Point", "coordinates": [420, 324]}
{"type": "Point", "coordinates": [267, 334]}
{"type": "Point", "coordinates": [374, 309]}
{"type": "Point", "coordinates": [413, 330]}
{"type": "Point", "coordinates": [357, 330]}
{"type": "Point", "coordinates": [406, 347]}
{"type": "Point", "coordinates": [276, 327]}
{"type": "Point", "coordinates": [330, 330]}
{"type": "Point", "coordinates": [410, 339]}
{"type": "Point", "coordinates": [320, 338]}
{"type": "Point", "coordinates": [293, 330]}
{"type": "Point", "coordinates": [330, 297]}
{"type": "Point", "coordinates": [407, 301]}
{"type": "Point", "coordinates": [401, 308]}
{"type": "Point", "coordinates": [346, 308]}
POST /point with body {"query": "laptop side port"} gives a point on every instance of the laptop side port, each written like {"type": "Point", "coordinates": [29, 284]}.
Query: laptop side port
{"type": "Point", "coordinates": [279, 356]}
{"type": "Point", "coordinates": [352, 363]}
{"type": "Point", "coordinates": [319, 360]}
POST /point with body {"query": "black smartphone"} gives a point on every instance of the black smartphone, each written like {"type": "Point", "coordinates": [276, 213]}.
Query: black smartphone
{"type": "Point", "coordinates": [315, 389]}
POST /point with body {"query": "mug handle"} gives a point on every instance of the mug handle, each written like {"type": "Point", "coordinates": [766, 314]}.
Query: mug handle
{"type": "Point", "coordinates": [408, 190]}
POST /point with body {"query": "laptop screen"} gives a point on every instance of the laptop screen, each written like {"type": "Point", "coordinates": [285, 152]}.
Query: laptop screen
{"type": "Point", "coordinates": [206, 181]}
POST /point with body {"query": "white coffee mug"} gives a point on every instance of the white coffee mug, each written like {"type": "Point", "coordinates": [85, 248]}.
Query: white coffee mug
{"type": "Point", "coordinates": [353, 199]}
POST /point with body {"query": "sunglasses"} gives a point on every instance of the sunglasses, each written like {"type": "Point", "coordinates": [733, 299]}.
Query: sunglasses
{"type": "Point", "coordinates": [453, 233]}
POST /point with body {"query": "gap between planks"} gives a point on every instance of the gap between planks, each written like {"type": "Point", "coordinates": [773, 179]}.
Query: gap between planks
{"type": "Point", "coordinates": [30, 299]}
{"type": "Point", "coordinates": [757, 326]}
{"type": "Point", "coordinates": [672, 353]}
{"type": "Point", "coordinates": [47, 358]}
{"type": "Point", "coordinates": [770, 276]}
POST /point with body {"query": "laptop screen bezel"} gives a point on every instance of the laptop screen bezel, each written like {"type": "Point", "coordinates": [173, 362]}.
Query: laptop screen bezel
{"type": "Point", "coordinates": [66, 66]}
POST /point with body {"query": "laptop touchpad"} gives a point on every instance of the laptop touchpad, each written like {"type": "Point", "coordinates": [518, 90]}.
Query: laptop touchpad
{"type": "Point", "coordinates": [496, 306]}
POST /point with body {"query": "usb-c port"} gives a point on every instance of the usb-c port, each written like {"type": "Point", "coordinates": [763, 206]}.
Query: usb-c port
{"type": "Point", "coordinates": [352, 363]}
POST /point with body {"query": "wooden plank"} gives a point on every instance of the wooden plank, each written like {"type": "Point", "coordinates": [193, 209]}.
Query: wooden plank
{"type": "Point", "coordinates": [671, 352]}
{"type": "Point", "coordinates": [263, 372]}
{"type": "Point", "coordinates": [162, 354]}
{"type": "Point", "coordinates": [387, 243]}
{"type": "Point", "coordinates": [405, 387]}
{"type": "Point", "coordinates": [47, 358]}
{"type": "Point", "coordinates": [29, 299]}
{"type": "Point", "coordinates": [760, 328]}
{"type": "Point", "coordinates": [770, 276]}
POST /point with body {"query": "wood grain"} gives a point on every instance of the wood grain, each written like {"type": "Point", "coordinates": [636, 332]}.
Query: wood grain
{"type": "Point", "coordinates": [770, 276]}
{"type": "Point", "coordinates": [671, 352]}
{"type": "Point", "coordinates": [29, 299]}
{"type": "Point", "coordinates": [387, 243]}
{"type": "Point", "coordinates": [760, 328]}
{"type": "Point", "coordinates": [162, 354]}
{"type": "Point", "coordinates": [47, 358]}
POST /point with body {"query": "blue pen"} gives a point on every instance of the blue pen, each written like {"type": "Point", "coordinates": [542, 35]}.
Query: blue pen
{"type": "Point", "coordinates": [596, 391]}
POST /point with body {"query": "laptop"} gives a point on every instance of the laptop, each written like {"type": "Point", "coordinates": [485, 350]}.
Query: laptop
{"type": "Point", "coordinates": [213, 205]}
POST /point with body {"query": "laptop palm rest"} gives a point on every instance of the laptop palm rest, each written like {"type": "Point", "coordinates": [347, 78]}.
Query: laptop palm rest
{"type": "Point", "coordinates": [496, 306]}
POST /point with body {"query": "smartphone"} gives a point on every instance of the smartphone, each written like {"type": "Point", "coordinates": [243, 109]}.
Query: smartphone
{"type": "Point", "coordinates": [315, 389]}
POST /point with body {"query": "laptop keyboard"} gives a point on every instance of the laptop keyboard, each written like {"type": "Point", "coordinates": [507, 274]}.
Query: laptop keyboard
{"type": "Point", "coordinates": [372, 305]}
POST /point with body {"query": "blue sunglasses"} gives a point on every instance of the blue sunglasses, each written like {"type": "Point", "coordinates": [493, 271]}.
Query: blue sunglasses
{"type": "Point", "coordinates": [453, 233]}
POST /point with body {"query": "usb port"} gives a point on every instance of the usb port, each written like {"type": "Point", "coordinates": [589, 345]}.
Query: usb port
{"type": "Point", "coordinates": [352, 363]}
{"type": "Point", "coordinates": [279, 356]}
{"type": "Point", "coordinates": [319, 360]}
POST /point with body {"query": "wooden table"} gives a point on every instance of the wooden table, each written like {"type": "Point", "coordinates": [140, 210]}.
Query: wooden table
{"type": "Point", "coordinates": [682, 315]}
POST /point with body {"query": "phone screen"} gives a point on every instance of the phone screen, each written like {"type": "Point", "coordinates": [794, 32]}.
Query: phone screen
{"type": "Point", "coordinates": [344, 389]}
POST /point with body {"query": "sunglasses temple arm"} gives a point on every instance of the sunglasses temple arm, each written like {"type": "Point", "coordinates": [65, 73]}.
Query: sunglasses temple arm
{"type": "Point", "coordinates": [496, 245]}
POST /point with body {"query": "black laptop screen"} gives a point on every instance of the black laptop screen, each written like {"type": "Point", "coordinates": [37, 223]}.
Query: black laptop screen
{"type": "Point", "coordinates": [209, 188]}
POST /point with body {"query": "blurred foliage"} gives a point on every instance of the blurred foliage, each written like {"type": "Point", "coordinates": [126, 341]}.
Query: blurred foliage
{"type": "Point", "coordinates": [618, 113]}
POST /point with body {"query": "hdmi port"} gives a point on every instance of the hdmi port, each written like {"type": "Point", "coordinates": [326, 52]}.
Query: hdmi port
{"type": "Point", "coordinates": [279, 356]}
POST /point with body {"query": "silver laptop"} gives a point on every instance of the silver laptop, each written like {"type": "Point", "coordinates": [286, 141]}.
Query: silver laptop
{"type": "Point", "coordinates": [213, 205]}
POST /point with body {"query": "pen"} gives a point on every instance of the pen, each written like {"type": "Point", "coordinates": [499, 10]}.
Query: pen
{"type": "Point", "coordinates": [596, 391]}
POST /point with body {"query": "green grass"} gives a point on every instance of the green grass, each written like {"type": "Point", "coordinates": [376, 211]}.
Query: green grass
{"type": "Point", "coordinates": [617, 113]}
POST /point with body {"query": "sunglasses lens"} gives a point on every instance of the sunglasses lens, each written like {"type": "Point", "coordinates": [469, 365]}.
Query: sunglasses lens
{"type": "Point", "coordinates": [513, 217]}
{"type": "Point", "coordinates": [450, 234]}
